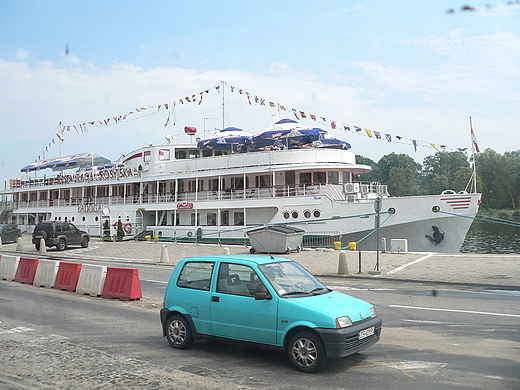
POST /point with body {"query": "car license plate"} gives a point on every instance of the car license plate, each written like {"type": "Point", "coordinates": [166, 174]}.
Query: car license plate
{"type": "Point", "coordinates": [366, 332]}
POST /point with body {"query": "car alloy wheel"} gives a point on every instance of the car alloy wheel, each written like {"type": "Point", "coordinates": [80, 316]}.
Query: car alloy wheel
{"type": "Point", "coordinates": [178, 332]}
{"type": "Point", "coordinates": [306, 352]}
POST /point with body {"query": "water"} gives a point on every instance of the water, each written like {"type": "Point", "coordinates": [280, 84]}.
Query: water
{"type": "Point", "coordinates": [485, 237]}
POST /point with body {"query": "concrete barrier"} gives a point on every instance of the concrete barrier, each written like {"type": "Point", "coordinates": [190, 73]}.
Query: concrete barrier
{"type": "Point", "coordinates": [8, 267]}
{"type": "Point", "coordinates": [46, 273]}
{"type": "Point", "coordinates": [91, 280]}
{"type": "Point", "coordinates": [26, 270]}
{"type": "Point", "coordinates": [68, 276]}
{"type": "Point", "coordinates": [122, 283]}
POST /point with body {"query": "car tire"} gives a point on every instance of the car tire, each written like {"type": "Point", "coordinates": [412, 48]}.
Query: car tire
{"type": "Point", "coordinates": [61, 244]}
{"type": "Point", "coordinates": [84, 242]}
{"type": "Point", "coordinates": [306, 351]}
{"type": "Point", "coordinates": [178, 332]}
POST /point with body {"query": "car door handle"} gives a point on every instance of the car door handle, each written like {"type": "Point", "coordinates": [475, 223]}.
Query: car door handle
{"type": "Point", "coordinates": [215, 299]}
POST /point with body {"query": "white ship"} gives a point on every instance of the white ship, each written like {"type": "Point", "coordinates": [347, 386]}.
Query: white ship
{"type": "Point", "coordinates": [218, 189]}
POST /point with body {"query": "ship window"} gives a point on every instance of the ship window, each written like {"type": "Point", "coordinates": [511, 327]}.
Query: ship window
{"type": "Point", "coordinates": [214, 184]}
{"type": "Point", "coordinates": [224, 218]}
{"type": "Point", "coordinates": [180, 154]}
{"type": "Point", "coordinates": [333, 177]}
{"type": "Point", "coordinates": [263, 181]}
{"type": "Point", "coordinates": [346, 177]}
{"type": "Point", "coordinates": [319, 177]}
{"type": "Point", "coordinates": [237, 182]}
{"type": "Point", "coordinates": [305, 178]}
{"type": "Point", "coordinates": [207, 153]}
{"type": "Point", "coordinates": [290, 178]}
{"type": "Point", "coordinates": [294, 214]}
{"type": "Point", "coordinates": [193, 221]}
{"type": "Point", "coordinates": [307, 214]}
{"type": "Point", "coordinates": [194, 154]}
{"type": "Point", "coordinates": [317, 213]}
{"type": "Point", "coordinates": [164, 154]}
{"type": "Point", "coordinates": [286, 214]}
{"type": "Point", "coordinates": [211, 219]}
{"type": "Point", "coordinates": [239, 218]}
{"type": "Point", "coordinates": [147, 156]}
{"type": "Point", "coordinates": [219, 152]}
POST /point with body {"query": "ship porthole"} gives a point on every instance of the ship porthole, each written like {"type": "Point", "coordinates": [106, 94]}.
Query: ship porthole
{"type": "Point", "coordinates": [83, 219]}
{"type": "Point", "coordinates": [316, 213]}
{"type": "Point", "coordinates": [286, 214]}
{"type": "Point", "coordinates": [295, 214]}
{"type": "Point", "coordinates": [436, 209]}
{"type": "Point", "coordinates": [307, 214]}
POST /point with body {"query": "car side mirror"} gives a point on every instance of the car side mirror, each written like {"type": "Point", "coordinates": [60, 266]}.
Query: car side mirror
{"type": "Point", "coordinates": [263, 296]}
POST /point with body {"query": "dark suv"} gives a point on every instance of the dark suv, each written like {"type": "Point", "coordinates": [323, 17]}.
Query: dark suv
{"type": "Point", "coordinates": [59, 234]}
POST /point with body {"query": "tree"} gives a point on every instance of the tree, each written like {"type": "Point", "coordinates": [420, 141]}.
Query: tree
{"type": "Point", "coordinates": [371, 176]}
{"type": "Point", "coordinates": [441, 172]}
{"type": "Point", "coordinates": [400, 173]}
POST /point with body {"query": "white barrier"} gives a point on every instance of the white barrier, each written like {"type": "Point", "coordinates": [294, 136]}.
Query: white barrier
{"type": "Point", "coordinates": [46, 273]}
{"type": "Point", "coordinates": [8, 267]}
{"type": "Point", "coordinates": [91, 280]}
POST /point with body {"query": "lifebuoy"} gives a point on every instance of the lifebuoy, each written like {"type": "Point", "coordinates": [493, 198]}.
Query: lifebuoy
{"type": "Point", "coordinates": [128, 227]}
{"type": "Point", "coordinates": [115, 225]}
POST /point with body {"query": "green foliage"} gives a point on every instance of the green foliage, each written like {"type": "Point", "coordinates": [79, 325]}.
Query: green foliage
{"type": "Point", "coordinates": [120, 231]}
{"type": "Point", "coordinates": [498, 176]}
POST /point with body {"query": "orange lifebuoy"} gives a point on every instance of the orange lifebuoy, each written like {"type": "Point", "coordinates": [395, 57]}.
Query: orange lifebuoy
{"type": "Point", "coordinates": [128, 227]}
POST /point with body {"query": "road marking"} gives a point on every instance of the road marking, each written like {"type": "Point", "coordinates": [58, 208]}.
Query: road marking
{"type": "Point", "coordinates": [411, 263]}
{"type": "Point", "coordinates": [16, 384]}
{"type": "Point", "coordinates": [457, 311]}
{"type": "Point", "coordinates": [155, 281]}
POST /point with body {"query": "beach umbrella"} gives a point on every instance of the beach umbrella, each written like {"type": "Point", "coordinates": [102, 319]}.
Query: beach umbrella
{"type": "Point", "coordinates": [230, 138]}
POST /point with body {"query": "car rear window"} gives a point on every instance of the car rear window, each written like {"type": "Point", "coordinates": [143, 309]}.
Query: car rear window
{"type": "Point", "coordinates": [196, 275]}
{"type": "Point", "coordinates": [46, 227]}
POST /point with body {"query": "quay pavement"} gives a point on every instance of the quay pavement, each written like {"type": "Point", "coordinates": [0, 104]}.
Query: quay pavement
{"type": "Point", "coordinates": [501, 271]}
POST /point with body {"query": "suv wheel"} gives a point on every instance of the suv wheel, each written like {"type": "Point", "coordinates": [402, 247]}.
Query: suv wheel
{"type": "Point", "coordinates": [178, 332]}
{"type": "Point", "coordinates": [306, 352]}
{"type": "Point", "coordinates": [84, 242]}
{"type": "Point", "coordinates": [61, 244]}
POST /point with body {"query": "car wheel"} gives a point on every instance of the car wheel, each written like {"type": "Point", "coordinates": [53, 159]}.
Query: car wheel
{"type": "Point", "coordinates": [306, 352]}
{"type": "Point", "coordinates": [61, 244]}
{"type": "Point", "coordinates": [178, 332]}
{"type": "Point", "coordinates": [84, 242]}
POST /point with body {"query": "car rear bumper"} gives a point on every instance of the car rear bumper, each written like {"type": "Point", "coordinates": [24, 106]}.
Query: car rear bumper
{"type": "Point", "coordinates": [345, 341]}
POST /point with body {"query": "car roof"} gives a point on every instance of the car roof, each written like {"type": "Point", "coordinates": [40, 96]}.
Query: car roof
{"type": "Point", "coordinates": [255, 259]}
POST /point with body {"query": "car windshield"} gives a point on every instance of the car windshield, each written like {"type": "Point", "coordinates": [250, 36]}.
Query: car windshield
{"type": "Point", "coordinates": [290, 279]}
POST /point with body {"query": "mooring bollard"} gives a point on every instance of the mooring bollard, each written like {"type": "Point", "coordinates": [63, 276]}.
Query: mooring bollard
{"type": "Point", "coordinates": [43, 248]}
{"type": "Point", "coordinates": [19, 244]}
{"type": "Point", "coordinates": [164, 255]}
{"type": "Point", "coordinates": [226, 250]}
{"type": "Point", "coordinates": [342, 265]}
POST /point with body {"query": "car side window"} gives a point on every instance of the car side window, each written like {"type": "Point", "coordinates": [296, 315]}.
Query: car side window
{"type": "Point", "coordinates": [237, 279]}
{"type": "Point", "coordinates": [72, 228]}
{"type": "Point", "coordinates": [196, 275]}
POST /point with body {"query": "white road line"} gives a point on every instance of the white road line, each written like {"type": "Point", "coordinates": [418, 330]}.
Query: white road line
{"type": "Point", "coordinates": [155, 281]}
{"type": "Point", "coordinates": [411, 263]}
{"type": "Point", "coordinates": [458, 311]}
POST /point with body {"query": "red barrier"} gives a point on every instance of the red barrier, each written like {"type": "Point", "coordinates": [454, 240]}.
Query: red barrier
{"type": "Point", "coordinates": [122, 283]}
{"type": "Point", "coordinates": [26, 270]}
{"type": "Point", "coordinates": [67, 276]}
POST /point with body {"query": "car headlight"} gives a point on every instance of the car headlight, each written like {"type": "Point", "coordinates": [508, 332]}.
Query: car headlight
{"type": "Point", "coordinates": [343, 322]}
{"type": "Point", "coordinates": [373, 312]}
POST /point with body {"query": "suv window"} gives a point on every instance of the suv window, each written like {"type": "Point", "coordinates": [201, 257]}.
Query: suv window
{"type": "Point", "coordinates": [46, 227]}
{"type": "Point", "coordinates": [196, 275]}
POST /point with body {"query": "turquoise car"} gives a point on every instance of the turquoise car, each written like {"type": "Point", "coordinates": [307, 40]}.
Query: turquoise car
{"type": "Point", "coordinates": [266, 300]}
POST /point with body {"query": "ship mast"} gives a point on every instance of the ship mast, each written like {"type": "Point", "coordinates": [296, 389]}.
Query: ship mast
{"type": "Point", "coordinates": [474, 148]}
{"type": "Point", "coordinates": [222, 85]}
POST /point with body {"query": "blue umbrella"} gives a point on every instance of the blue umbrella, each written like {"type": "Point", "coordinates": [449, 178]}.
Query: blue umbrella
{"type": "Point", "coordinates": [231, 138]}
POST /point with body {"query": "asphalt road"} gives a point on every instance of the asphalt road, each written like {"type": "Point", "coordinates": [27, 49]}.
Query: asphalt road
{"type": "Point", "coordinates": [434, 337]}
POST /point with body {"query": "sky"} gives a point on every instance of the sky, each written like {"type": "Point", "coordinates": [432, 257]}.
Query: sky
{"type": "Point", "coordinates": [411, 69]}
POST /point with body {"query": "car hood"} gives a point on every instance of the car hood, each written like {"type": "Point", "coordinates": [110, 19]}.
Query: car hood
{"type": "Point", "coordinates": [336, 304]}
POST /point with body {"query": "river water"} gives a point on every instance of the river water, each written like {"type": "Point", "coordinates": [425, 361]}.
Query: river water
{"type": "Point", "coordinates": [486, 237]}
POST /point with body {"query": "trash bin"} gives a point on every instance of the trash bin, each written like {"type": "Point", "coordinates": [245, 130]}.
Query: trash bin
{"type": "Point", "coordinates": [276, 239]}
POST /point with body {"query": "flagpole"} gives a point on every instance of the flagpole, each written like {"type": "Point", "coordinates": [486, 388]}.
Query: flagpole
{"type": "Point", "coordinates": [473, 146]}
